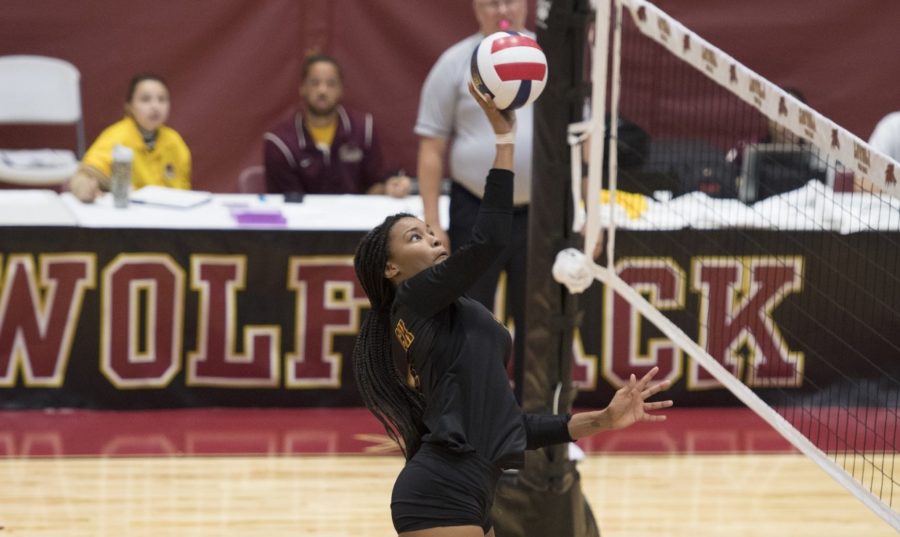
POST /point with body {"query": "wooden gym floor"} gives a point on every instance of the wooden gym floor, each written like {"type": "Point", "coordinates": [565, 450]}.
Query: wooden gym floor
{"type": "Point", "coordinates": [329, 472]}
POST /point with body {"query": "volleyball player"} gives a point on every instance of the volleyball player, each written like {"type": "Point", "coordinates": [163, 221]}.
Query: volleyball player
{"type": "Point", "coordinates": [452, 411]}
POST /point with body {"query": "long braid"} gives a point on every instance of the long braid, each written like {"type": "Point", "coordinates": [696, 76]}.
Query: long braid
{"type": "Point", "coordinates": [384, 390]}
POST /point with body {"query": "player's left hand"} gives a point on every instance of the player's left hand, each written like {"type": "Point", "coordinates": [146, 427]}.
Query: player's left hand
{"type": "Point", "coordinates": [628, 406]}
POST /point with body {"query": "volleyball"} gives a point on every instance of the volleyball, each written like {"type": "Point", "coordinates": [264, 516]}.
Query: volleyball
{"type": "Point", "coordinates": [510, 67]}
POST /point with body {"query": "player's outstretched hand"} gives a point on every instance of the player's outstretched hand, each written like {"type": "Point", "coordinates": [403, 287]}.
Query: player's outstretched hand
{"type": "Point", "coordinates": [502, 121]}
{"type": "Point", "coordinates": [628, 406]}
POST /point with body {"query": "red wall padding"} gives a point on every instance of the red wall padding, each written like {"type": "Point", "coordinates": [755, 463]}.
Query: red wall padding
{"type": "Point", "coordinates": [233, 65]}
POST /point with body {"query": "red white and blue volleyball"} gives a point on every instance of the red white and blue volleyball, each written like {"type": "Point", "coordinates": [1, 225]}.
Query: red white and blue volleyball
{"type": "Point", "coordinates": [510, 67]}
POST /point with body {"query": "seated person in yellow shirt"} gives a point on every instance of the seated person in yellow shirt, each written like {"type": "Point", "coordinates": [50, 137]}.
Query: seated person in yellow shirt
{"type": "Point", "coordinates": [160, 155]}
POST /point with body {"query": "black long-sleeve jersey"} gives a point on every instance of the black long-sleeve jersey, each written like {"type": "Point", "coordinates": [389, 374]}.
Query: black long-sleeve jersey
{"type": "Point", "coordinates": [458, 349]}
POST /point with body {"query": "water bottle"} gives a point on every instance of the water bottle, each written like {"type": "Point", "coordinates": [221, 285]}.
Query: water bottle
{"type": "Point", "coordinates": [120, 179]}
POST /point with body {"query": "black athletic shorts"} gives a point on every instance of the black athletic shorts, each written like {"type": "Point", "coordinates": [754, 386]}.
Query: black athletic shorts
{"type": "Point", "coordinates": [439, 487]}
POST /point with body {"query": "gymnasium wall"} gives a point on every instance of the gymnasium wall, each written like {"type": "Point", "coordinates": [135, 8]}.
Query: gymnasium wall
{"type": "Point", "coordinates": [233, 65]}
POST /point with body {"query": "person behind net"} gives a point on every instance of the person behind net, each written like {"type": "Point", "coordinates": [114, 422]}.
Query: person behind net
{"type": "Point", "coordinates": [326, 148]}
{"type": "Point", "coordinates": [886, 136]}
{"type": "Point", "coordinates": [161, 157]}
{"type": "Point", "coordinates": [452, 410]}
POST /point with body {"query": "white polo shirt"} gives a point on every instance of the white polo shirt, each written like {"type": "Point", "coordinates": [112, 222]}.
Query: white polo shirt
{"type": "Point", "coordinates": [447, 110]}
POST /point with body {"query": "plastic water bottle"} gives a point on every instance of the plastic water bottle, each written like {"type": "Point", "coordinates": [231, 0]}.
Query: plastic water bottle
{"type": "Point", "coordinates": [120, 179]}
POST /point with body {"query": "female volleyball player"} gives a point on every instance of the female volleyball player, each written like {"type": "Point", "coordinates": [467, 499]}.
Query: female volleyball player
{"type": "Point", "coordinates": [454, 414]}
{"type": "Point", "coordinates": [160, 155]}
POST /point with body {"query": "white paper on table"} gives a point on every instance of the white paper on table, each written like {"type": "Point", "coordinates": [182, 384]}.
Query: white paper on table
{"type": "Point", "coordinates": [170, 197]}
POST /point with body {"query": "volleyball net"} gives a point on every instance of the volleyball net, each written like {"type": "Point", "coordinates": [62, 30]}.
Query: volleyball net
{"type": "Point", "coordinates": [773, 232]}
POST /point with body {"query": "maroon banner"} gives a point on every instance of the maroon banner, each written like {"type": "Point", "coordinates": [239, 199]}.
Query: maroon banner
{"type": "Point", "coordinates": [129, 319]}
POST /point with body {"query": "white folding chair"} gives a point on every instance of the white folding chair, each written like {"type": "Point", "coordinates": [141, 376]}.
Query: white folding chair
{"type": "Point", "coordinates": [40, 90]}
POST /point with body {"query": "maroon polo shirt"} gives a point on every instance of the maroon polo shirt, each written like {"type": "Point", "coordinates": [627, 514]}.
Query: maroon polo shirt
{"type": "Point", "coordinates": [351, 165]}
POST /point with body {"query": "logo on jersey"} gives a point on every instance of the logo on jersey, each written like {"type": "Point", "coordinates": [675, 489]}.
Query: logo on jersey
{"type": "Point", "coordinates": [404, 336]}
{"type": "Point", "coordinates": [350, 153]}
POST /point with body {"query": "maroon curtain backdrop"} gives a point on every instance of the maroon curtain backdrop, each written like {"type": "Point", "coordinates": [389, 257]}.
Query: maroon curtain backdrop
{"type": "Point", "coordinates": [233, 65]}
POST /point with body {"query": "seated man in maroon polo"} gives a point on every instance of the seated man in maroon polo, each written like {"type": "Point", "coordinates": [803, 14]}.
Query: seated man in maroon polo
{"type": "Point", "coordinates": [326, 148]}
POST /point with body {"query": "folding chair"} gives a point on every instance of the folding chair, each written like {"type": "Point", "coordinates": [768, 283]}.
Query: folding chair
{"type": "Point", "coordinates": [40, 90]}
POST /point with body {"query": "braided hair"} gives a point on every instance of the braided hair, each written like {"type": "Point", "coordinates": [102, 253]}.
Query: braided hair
{"type": "Point", "coordinates": [384, 390]}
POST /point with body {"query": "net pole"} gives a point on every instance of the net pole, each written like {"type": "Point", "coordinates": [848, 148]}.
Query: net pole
{"type": "Point", "coordinates": [545, 497]}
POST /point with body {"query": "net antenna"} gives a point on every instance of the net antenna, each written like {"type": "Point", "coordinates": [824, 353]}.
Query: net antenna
{"type": "Point", "coordinates": [787, 202]}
